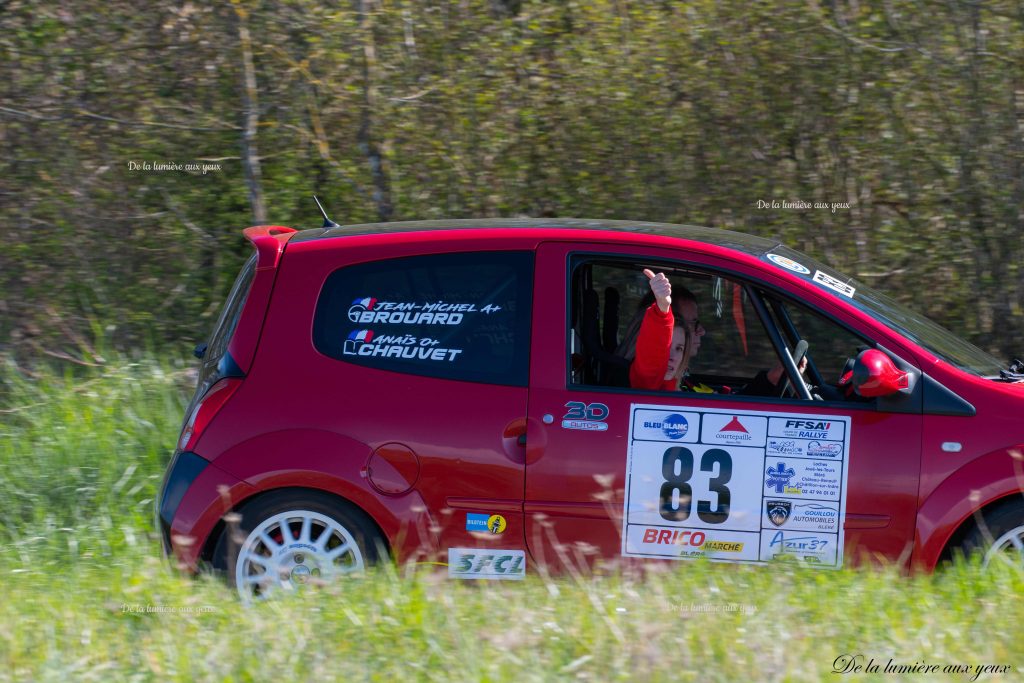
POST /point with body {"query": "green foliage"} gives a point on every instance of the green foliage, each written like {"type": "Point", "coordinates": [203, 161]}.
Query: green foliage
{"type": "Point", "coordinates": [87, 597]}
{"type": "Point", "coordinates": [653, 109]}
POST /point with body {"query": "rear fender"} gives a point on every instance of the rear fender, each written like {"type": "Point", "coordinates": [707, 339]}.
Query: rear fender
{"type": "Point", "coordinates": [331, 462]}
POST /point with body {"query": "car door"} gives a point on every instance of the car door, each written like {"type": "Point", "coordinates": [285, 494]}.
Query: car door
{"type": "Point", "coordinates": [614, 472]}
{"type": "Point", "coordinates": [437, 345]}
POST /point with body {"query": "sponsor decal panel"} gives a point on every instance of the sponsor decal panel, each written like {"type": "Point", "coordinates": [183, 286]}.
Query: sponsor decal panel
{"type": "Point", "coordinates": [737, 486]}
{"type": "Point", "coordinates": [672, 542]}
{"type": "Point", "coordinates": [800, 516]}
{"type": "Point", "coordinates": [489, 524]}
{"type": "Point", "coordinates": [486, 563]}
{"type": "Point", "coordinates": [734, 430]}
{"type": "Point", "coordinates": [803, 448]}
{"type": "Point", "coordinates": [801, 478]}
{"type": "Point", "coordinates": [814, 548]}
{"type": "Point", "coordinates": [662, 425]}
{"type": "Point", "coordinates": [789, 264]}
{"type": "Point", "coordinates": [833, 284]}
{"type": "Point", "coordinates": [800, 427]}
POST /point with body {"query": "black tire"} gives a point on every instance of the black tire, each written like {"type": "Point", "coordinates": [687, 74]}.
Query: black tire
{"type": "Point", "coordinates": [371, 545]}
{"type": "Point", "coordinates": [996, 524]}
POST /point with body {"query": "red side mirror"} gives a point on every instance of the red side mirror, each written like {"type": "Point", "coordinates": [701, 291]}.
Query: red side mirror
{"type": "Point", "coordinates": [874, 374]}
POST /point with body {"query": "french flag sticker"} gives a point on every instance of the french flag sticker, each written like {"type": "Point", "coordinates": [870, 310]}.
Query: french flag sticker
{"type": "Point", "coordinates": [367, 303]}
{"type": "Point", "coordinates": [361, 335]}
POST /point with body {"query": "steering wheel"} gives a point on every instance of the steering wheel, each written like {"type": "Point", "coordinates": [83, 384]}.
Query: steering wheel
{"type": "Point", "coordinates": [798, 355]}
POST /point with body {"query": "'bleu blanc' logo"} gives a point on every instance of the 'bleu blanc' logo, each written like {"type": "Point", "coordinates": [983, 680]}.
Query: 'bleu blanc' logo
{"type": "Point", "coordinates": [675, 426]}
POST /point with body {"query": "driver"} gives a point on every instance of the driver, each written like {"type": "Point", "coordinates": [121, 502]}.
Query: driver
{"type": "Point", "coordinates": [665, 344]}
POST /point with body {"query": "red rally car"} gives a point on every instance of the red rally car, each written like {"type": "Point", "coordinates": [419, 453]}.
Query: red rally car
{"type": "Point", "coordinates": [459, 391]}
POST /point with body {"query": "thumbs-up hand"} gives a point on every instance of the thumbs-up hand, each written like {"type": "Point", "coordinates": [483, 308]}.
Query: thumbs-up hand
{"type": "Point", "coordinates": [662, 289]}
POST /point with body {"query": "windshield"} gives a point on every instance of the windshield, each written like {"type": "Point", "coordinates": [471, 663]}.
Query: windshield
{"type": "Point", "coordinates": [912, 325]}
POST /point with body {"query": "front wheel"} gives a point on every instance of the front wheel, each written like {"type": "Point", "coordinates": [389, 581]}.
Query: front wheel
{"type": "Point", "coordinates": [290, 538]}
{"type": "Point", "coordinates": [1000, 535]}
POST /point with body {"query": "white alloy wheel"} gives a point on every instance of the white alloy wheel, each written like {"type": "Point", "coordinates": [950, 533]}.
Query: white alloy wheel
{"type": "Point", "coordinates": [1007, 548]}
{"type": "Point", "coordinates": [294, 548]}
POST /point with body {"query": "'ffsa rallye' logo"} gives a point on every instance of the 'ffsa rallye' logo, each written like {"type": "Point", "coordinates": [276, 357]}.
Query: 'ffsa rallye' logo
{"type": "Point", "coordinates": [816, 429]}
{"type": "Point", "coordinates": [481, 563]}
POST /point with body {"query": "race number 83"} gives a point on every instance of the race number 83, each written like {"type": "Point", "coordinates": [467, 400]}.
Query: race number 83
{"type": "Point", "coordinates": [677, 494]}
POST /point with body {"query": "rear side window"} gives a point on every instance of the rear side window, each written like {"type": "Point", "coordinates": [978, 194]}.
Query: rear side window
{"type": "Point", "coordinates": [231, 312]}
{"type": "Point", "coordinates": [210, 370]}
{"type": "Point", "coordinates": [459, 316]}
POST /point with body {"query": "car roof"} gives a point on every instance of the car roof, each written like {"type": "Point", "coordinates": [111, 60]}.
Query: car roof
{"type": "Point", "coordinates": [750, 244]}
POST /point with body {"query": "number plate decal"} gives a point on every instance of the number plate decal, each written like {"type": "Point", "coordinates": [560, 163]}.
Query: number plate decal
{"type": "Point", "coordinates": [735, 486]}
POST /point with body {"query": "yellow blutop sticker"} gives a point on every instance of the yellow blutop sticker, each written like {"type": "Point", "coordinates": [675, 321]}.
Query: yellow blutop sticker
{"type": "Point", "coordinates": [496, 524]}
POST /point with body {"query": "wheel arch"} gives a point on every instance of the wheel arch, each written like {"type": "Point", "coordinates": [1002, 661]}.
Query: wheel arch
{"type": "Point", "coordinates": [971, 523]}
{"type": "Point", "coordinates": [949, 513]}
{"type": "Point", "coordinates": [325, 461]}
{"type": "Point", "coordinates": [209, 547]}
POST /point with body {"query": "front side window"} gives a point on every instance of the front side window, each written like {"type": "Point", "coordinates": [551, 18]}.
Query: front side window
{"type": "Point", "coordinates": [463, 316]}
{"type": "Point", "coordinates": [732, 328]}
{"type": "Point", "coordinates": [916, 327]}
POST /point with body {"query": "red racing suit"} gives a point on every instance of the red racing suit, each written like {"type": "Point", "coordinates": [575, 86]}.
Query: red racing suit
{"type": "Point", "coordinates": [647, 371]}
{"type": "Point", "coordinates": [653, 343]}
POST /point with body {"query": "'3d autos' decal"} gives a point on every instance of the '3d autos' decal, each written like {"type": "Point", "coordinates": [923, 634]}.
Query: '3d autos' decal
{"type": "Point", "coordinates": [588, 417]}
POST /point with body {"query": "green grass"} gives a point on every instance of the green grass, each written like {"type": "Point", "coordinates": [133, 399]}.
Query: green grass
{"type": "Point", "coordinates": [81, 458]}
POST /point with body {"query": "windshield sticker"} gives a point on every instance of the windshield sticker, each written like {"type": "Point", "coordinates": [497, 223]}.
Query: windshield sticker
{"type": "Point", "coordinates": [789, 264]}
{"type": "Point", "coordinates": [368, 310]}
{"type": "Point", "coordinates": [833, 284]}
{"type": "Point", "coordinates": [738, 486]}
{"type": "Point", "coordinates": [366, 343]}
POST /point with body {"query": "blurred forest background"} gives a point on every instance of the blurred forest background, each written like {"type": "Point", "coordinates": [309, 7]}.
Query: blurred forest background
{"type": "Point", "coordinates": [910, 112]}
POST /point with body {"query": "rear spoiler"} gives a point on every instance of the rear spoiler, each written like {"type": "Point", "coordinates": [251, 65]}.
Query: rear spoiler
{"type": "Point", "coordinates": [269, 241]}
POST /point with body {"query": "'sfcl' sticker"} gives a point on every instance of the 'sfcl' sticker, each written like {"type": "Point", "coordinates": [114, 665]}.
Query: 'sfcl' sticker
{"type": "Point", "coordinates": [484, 563]}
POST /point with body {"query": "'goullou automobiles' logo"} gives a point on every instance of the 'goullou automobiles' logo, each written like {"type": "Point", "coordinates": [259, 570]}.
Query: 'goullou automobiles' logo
{"type": "Point", "coordinates": [675, 426]}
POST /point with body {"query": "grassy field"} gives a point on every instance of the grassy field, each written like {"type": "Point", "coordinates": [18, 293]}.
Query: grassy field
{"type": "Point", "coordinates": [86, 595]}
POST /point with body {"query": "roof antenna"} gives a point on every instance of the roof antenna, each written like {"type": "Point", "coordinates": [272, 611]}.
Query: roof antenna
{"type": "Point", "coordinates": [328, 223]}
